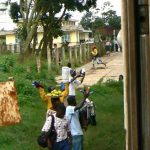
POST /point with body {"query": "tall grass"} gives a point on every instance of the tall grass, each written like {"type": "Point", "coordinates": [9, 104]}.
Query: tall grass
{"type": "Point", "coordinates": [109, 132]}
{"type": "Point", "coordinates": [108, 97]}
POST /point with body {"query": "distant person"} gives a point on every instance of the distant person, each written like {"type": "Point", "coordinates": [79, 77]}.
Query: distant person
{"type": "Point", "coordinates": [72, 114]}
{"type": "Point", "coordinates": [121, 77]}
{"type": "Point", "coordinates": [62, 128]}
{"type": "Point", "coordinates": [108, 47]}
{"type": "Point", "coordinates": [74, 82]}
{"type": "Point", "coordinates": [95, 57]}
{"type": "Point", "coordinates": [54, 52]}
{"type": "Point", "coordinates": [69, 64]}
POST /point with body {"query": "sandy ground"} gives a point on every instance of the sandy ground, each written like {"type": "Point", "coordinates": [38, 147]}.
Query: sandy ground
{"type": "Point", "coordinates": [114, 68]}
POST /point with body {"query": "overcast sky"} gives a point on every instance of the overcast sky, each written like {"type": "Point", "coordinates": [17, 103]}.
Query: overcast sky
{"type": "Point", "coordinates": [77, 15]}
{"type": "Point", "coordinates": [116, 6]}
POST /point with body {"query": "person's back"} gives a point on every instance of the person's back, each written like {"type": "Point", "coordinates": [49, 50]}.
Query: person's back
{"type": "Point", "coordinates": [73, 119]}
{"type": "Point", "coordinates": [72, 87]}
{"type": "Point", "coordinates": [62, 128]}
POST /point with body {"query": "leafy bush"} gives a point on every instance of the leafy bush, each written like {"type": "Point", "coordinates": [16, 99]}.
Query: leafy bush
{"type": "Point", "coordinates": [9, 61]}
{"type": "Point", "coordinates": [18, 69]}
{"type": "Point", "coordinates": [4, 68]}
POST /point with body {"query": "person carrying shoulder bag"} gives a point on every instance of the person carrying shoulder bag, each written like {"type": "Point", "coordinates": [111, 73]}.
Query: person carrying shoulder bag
{"type": "Point", "coordinates": [62, 129]}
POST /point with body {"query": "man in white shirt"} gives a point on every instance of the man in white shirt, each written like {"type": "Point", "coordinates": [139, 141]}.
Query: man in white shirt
{"type": "Point", "coordinates": [72, 115]}
{"type": "Point", "coordinates": [73, 82]}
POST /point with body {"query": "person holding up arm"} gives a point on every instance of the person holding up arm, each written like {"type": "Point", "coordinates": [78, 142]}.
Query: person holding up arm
{"type": "Point", "coordinates": [74, 82]}
{"type": "Point", "coordinates": [72, 114]}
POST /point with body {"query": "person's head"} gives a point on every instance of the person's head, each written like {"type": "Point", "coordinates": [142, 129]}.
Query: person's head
{"type": "Point", "coordinates": [60, 110]}
{"type": "Point", "coordinates": [120, 77]}
{"type": "Point", "coordinates": [86, 90]}
{"type": "Point", "coordinates": [69, 64]}
{"type": "Point", "coordinates": [50, 89]}
{"type": "Point", "coordinates": [55, 45]}
{"type": "Point", "coordinates": [72, 73]}
{"type": "Point", "coordinates": [94, 47]}
{"type": "Point", "coordinates": [71, 101]}
{"type": "Point", "coordinates": [55, 102]}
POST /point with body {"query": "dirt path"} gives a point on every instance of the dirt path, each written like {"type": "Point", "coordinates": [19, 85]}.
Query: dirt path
{"type": "Point", "coordinates": [114, 67]}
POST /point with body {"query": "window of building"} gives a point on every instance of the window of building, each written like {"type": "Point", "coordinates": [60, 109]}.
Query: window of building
{"type": "Point", "coordinates": [17, 40]}
{"type": "Point", "coordinates": [66, 38]}
{"type": "Point", "coordinates": [2, 39]}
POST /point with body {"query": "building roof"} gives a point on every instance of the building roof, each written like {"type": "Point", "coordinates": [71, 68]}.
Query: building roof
{"type": "Point", "coordinates": [69, 28]}
{"type": "Point", "coordinates": [2, 32]}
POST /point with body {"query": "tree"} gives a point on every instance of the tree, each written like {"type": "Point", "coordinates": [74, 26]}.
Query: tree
{"type": "Point", "coordinates": [15, 12]}
{"type": "Point", "coordinates": [98, 22]}
{"type": "Point", "coordinates": [107, 18]}
{"type": "Point", "coordinates": [43, 12]}
{"type": "Point", "coordinates": [86, 20]}
{"type": "Point", "coordinates": [111, 19]}
{"type": "Point", "coordinates": [115, 22]}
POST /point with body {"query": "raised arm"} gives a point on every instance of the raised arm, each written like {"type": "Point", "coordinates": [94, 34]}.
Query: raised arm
{"type": "Point", "coordinates": [80, 105]}
{"type": "Point", "coordinates": [65, 92]}
{"type": "Point", "coordinates": [83, 76]}
{"type": "Point", "coordinates": [44, 96]}
{"type": "Point", "coordinates": [77, 76]}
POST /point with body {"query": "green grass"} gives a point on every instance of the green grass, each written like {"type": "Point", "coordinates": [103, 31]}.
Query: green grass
{"type": "Point", "coordinates": [109, 132]}
{"type": "Point", "coordinates": [108, 97]}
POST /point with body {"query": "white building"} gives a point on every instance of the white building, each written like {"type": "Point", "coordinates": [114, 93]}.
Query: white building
{"type": "Point", "coordinates": [6, 23]}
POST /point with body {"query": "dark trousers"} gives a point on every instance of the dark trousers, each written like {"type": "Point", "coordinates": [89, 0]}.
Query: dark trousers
{"type": "Point", "coordinates": [62, 145]}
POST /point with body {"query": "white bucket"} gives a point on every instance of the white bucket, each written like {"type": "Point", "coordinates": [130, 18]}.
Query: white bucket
{"type": "Point", "coordinates": [65, 74]}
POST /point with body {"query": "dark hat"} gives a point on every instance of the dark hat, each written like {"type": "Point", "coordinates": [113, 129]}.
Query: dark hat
{"type": "Point", "coordinates": [72, 72]}
{"type": "Point", "coordinates": [50, 88]}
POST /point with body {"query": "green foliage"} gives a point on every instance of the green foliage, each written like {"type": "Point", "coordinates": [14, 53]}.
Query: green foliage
{"type": "Point", "coordinates": [86, 20]}
{"type": "Point", "coordinates": [115, 22]}
{"type": "Point", "coordinates": [99, 22]}
{"type": "Point", "coordinates": [22, 32]}
{"type": "Point", "coordinates": [17, 69]}
{"type": "Point", "coordinates": [108, 98]}
{"type": "Point", "coordinates": [107, 19]}
{"type": "Point", "coordinates": [6, 64]}
{"type": "Point", "coordinates": [111, 19]}
{"type": "Point", "coordinates": [43, 12]}
{"type": "Point", "coordinates": [15, 11]}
